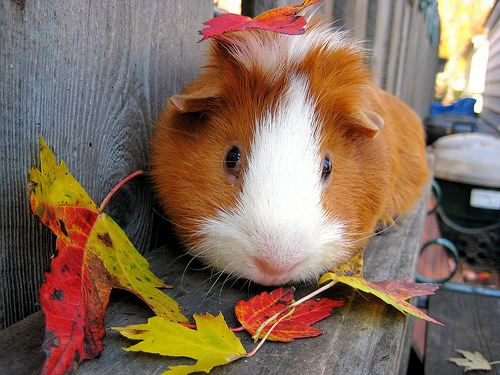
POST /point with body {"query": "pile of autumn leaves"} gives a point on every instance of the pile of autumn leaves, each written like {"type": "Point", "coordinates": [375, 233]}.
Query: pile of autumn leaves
{"type": "Point", "coordinates": [95, 255]}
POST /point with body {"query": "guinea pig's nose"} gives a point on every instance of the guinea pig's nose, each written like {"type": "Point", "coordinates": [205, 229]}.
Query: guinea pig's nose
{"type": "Point", "coordinates": [274, 269]}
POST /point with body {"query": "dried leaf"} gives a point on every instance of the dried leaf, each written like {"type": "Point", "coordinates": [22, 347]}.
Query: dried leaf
{"type": "Point", "coordinates": [94, 256]}
{"type": "Point", "coordinates": [284, 20]}
{"type": "Point", "coordinates": [298, 324]}
{"type": "Point", "coordinates": [471, 361]}
{"type": "Point", "coordinates": [212, 343]}
{"type": "Point", "coordinates": [393, 292]}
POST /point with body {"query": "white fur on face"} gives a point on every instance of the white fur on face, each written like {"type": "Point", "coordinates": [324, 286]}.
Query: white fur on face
{"type": "Point", "coordinates": [279, 218]}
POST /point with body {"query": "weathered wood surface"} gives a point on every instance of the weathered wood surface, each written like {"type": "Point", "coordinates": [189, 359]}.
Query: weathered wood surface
{"type": "Point", "coordinates": [90, 77]}
{"type": "Point", "coordinates": [366, 336]}
{"type": "Point", "coordinates": [471, 323]}
{"type": "Point", "coordinates": [253, 8]}
{"type": "Point", "coordinates": [402, 56]}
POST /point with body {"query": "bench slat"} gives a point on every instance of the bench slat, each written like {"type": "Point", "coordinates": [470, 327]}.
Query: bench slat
{"type": "Point", "coordinates": [366, 336]}
{"type": "Point", "coordinates": [471, 323]}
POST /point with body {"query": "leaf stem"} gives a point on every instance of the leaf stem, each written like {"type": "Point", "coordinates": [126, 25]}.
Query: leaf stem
{"type": "Point", "coordinates": [238, 329]}
{"type": "Point", "coordinates": [249, 354]}
{"type": "Point", "coordinates": [117, 187]}
{"type": "Point", "coordinates": [257, 333]}
{"type": "Point", "coordinates": [495, 363]}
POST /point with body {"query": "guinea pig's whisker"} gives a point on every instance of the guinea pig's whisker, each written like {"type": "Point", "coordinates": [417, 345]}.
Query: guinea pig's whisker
{"type": "Point", "coordinates": [190, 261]}
{"type": "Point", "coordinates": [243, 285]}
{"type": "Point", "coordinates": [229, 276]}
{"type": "Point", "coordinates": [201, 269]}
{"type": "Point", "coordinates": [234, 282]}
{"type": "Point", "coordinates": [373, 234]}
{"type": "Point", "coordinates": [176, 259]}
{"type": "Point", "coordinates": [213, 285]}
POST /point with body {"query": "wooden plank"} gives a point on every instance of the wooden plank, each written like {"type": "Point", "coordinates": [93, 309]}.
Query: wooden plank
{"type": "Point", "coordinates": [471, 323]}
{"type": "Point", "coordinates": [253, 8]}
{"type": "Point", "coordinates": [355, 18]}
{"type": "Point", "coordinates": [381, 42]}
{"type": "Point", "coordinates": [403, 50]}
{"type": "Point", "coordinates": [339, 11]}
{"type": "Point", "coordinates": [365, 337]}
{"type": "Point", "coordinates": [394, 49]}
{"type": "Point", "coordinates": [90, 77]}
{"type": "Point", "coordinates": [411, 57]}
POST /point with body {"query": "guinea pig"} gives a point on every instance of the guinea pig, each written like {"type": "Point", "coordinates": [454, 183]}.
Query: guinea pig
{"type": "Point", "coordinates": [280, 158]}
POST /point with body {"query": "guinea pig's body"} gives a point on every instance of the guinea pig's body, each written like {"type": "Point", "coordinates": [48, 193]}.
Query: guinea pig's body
{"type": "Point", "coordinates": [279, 160]}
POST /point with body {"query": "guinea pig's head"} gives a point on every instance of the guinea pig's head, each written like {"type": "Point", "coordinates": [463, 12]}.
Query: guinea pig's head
{"type": "Point", "coordinates": [268, 165]}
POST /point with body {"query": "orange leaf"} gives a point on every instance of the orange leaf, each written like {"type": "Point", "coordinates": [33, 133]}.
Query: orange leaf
{"type": "Point", "coordinates": [284, 20]}
{"type": "Point", "coordinates": [298, 324]}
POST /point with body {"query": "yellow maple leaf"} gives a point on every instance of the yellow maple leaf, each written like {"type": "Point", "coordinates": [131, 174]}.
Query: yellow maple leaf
{"type": "Point", "coordinates": [393, 292]}
{"type": "Point", "coordinates": [212, 343]}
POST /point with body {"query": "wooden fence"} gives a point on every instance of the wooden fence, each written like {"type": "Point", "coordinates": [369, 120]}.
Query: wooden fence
{"type": "Point", "coordinates": [91, 77]}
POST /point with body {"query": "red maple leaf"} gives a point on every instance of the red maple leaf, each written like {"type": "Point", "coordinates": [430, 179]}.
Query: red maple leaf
{"type": "Point", "coordinates": [284, 20]}
{"type": "Point", "coordinates": [298, 324]}
{"type": "Point", "coordinates": [94, 256]}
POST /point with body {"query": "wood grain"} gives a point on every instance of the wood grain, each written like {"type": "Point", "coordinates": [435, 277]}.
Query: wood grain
{"type": "Point", "coordinates": [90, 77]}
{"type": "Point", "coordinates": [365, 337]}
{"type": "Point", "coordinates": [402, 57]}
{"type": "Point", "coordinates": [252, 8]}
{"type": "Point", "coordinates": [471, 323]}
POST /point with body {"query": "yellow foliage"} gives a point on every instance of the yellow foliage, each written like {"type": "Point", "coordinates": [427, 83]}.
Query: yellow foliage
{"type": "Point", "coordinates": [211, 344]}
{"type": "Point", "coordinates": [393, 292]}
{"type": "Point", "coordinates": [460, 21]}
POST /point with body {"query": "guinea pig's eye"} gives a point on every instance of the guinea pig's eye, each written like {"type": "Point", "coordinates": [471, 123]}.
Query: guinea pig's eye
{"type": "Point", "coordinates": [326, 168]}
{"type": "Point", "coordinates": [232, 163]}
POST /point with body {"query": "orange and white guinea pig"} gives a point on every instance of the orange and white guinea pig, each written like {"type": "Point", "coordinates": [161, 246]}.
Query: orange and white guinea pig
{"type": "Point", "coordinates": [279, 160]}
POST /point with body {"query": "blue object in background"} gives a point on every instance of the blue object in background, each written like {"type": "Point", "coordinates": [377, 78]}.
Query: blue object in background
{"type": "Point", "coordinates": [463, 106]}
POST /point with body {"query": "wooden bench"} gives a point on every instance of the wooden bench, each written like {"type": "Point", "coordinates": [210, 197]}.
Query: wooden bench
{"type": "Point", "coordinates": [366, 336]}
{"type": "Point", "coordinates": [471, 323]}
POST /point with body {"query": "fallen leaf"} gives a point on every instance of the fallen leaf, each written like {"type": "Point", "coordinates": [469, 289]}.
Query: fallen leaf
{"type": "Point", "coordinates": [393, 292]}
{"type": "Point", "coordinates": [211, 344]}
{"type": "Point", "coordinates": [471, 361]}
{"type": "Point", "coordinates": [298, 324]}
{"type": "Point", "coordinates": [94, 256]}
{"type": "Point", "coordinates": [284, 20]}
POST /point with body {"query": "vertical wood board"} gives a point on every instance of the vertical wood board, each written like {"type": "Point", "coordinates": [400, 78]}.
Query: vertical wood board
{"type": "Point", "coordinates": [90, 77]}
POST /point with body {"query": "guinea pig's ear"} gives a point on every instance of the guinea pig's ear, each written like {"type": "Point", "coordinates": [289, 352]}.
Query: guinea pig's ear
{"type": "Point", "coordinates": [368, 122]}
{"type": "Point", "coordinates": [201, 100]}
